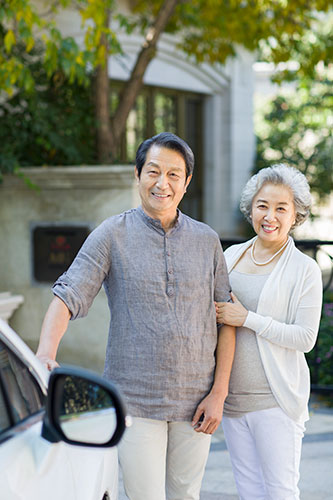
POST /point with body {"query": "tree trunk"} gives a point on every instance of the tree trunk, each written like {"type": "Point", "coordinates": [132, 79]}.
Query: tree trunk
{"type": "Point", "coordinates": [102, 105]}
{"type": "Point", "coordinates": [103, 114]}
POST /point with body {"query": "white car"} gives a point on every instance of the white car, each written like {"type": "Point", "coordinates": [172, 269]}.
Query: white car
{"type": "Point", "coordinates": [57, 431]}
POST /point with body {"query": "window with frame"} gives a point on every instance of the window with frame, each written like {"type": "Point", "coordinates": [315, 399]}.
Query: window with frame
{"type": "Point", "coordinates": [20, 394]}
{"type": "Point", "coordinates": [166, 110]}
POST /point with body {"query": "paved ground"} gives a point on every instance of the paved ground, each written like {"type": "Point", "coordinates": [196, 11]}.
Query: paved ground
{"type": "Point", "coordinates": [316, 465]}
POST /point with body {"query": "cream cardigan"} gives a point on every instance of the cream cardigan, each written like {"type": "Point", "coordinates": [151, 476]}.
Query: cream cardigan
{"type": "Point", "coordinates": [286, 323]}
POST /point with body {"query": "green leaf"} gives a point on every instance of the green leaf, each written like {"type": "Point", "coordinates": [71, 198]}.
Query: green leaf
{"type": "Point", "coordinates": [9, 40]}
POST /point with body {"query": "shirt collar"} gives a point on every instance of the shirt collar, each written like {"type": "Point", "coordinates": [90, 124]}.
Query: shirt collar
{"type": "Point", "coordinates": [156, 223]}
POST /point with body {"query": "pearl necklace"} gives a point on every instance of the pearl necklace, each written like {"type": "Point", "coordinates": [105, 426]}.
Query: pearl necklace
{"type": "Point", "coordinates": [270, 259]}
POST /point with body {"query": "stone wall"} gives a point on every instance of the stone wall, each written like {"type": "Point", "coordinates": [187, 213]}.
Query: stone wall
{"type": "Point", "coordinates": [65, 195]}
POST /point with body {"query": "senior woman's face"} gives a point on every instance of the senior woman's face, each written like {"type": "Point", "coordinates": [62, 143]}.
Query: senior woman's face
{"type": "Point", "coordinates": [273, 213]}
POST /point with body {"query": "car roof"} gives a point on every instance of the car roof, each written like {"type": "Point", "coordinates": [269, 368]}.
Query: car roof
{"type": "Point", "coordinates": [25, 354]}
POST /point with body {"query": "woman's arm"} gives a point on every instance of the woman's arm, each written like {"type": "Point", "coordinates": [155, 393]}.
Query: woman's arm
{"type": "Point", "coordinates": [300, 335]}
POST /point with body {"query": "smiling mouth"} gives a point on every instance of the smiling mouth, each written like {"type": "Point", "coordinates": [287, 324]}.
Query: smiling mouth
{"type": "Point", "coordinates": [269, 229]}
{"type": "Point", "coordinates": [160, 196]}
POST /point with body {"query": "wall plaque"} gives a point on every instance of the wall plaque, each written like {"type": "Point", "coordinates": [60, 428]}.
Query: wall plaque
{"type": "Point", "coordinates": [54, 249]}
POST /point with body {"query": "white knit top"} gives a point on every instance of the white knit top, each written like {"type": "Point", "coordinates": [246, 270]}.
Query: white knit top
{"type": "Point", "coordinates": [286, 322]}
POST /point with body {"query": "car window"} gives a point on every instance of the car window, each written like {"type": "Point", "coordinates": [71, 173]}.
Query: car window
{"type": "Point", "coordinates": [20, 394]}
{"type": "Point", "coordinates": [4, 417]}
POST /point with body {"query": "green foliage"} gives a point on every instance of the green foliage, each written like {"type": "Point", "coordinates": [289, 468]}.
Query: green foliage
{"type": "Point", "coordinates": [297, 126]}
{"type": "Point", "coordinates": [54, 125]}
{"type": "Point", "coordinates": [47, 116]}
{"type": "Point", "coordinates": [298, 130]}
{"type": "Point", "coordinates": [22, 26]}
{"type": "Point", "coordinates": [320, 358]}
{"type": "Point", "coordinates": [211, 30]}
{"type": "Point", "coordinates": [312, 46]}
{"type": "Point", "coordinates": [207, 29]}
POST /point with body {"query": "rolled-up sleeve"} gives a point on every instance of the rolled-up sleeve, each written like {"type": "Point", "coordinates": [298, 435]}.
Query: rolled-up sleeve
{"type": "Point", "coordinates": [80, 284]}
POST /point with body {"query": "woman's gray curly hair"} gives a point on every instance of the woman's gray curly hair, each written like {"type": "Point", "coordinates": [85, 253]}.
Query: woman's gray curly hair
{"type": "Point", "coordinates": [284, 175]}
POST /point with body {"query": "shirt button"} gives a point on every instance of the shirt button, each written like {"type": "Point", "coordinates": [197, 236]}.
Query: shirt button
{"type": "Point", "coordinates": [170, 271]}
{"type": "Point", "coordinates": [170, 292]}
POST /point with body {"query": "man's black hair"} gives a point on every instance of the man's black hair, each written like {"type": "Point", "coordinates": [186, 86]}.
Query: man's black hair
{"type": "Point", "coordinates": [169, 141]}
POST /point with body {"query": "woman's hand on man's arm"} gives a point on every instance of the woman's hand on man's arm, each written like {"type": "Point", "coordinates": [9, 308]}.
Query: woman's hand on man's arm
{"type": "Point", "coordinates": [231, 313]}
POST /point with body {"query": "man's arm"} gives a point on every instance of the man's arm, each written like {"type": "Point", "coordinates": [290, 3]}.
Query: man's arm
{"type": "Point", "coordinates": [54, 326]}
{"type": "Point", "coordinates": [211, 407]}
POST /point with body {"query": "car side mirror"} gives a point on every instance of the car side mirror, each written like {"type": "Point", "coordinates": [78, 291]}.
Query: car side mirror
{"type": "Point", "coordinates": [83, 409]}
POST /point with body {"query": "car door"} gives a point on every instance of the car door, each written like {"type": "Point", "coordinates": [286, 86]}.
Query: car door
{"type": "Point", "coordinates": [31, 468]}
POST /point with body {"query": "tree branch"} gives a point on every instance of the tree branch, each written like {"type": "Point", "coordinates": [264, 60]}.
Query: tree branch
{"type": "Point", "coordinates": [147, 53]}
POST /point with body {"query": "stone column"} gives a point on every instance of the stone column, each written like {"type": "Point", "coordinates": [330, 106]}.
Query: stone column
{"type": "Point", "coordinates": [229, 147]}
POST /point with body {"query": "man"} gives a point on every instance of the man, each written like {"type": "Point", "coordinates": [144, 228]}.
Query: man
{"type": "Point", "coordinates": [162, 272]}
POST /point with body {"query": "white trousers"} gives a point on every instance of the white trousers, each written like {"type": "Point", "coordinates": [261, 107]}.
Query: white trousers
{"type": "Point", "coordinates": [265, 451]}
{"type": "Point", "coordinates": [162, 460]}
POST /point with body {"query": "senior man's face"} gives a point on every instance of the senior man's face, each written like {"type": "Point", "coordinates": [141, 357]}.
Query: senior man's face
{"type": "Point", "coordinates": [162, 183]}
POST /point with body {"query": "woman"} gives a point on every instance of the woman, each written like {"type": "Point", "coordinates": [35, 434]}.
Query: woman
{"type": "Point", "coordinates": [277, 296]}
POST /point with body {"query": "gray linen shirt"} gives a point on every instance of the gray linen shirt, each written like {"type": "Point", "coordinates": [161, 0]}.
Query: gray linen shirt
{"type": "Point", "coordinates": [161, 289]}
